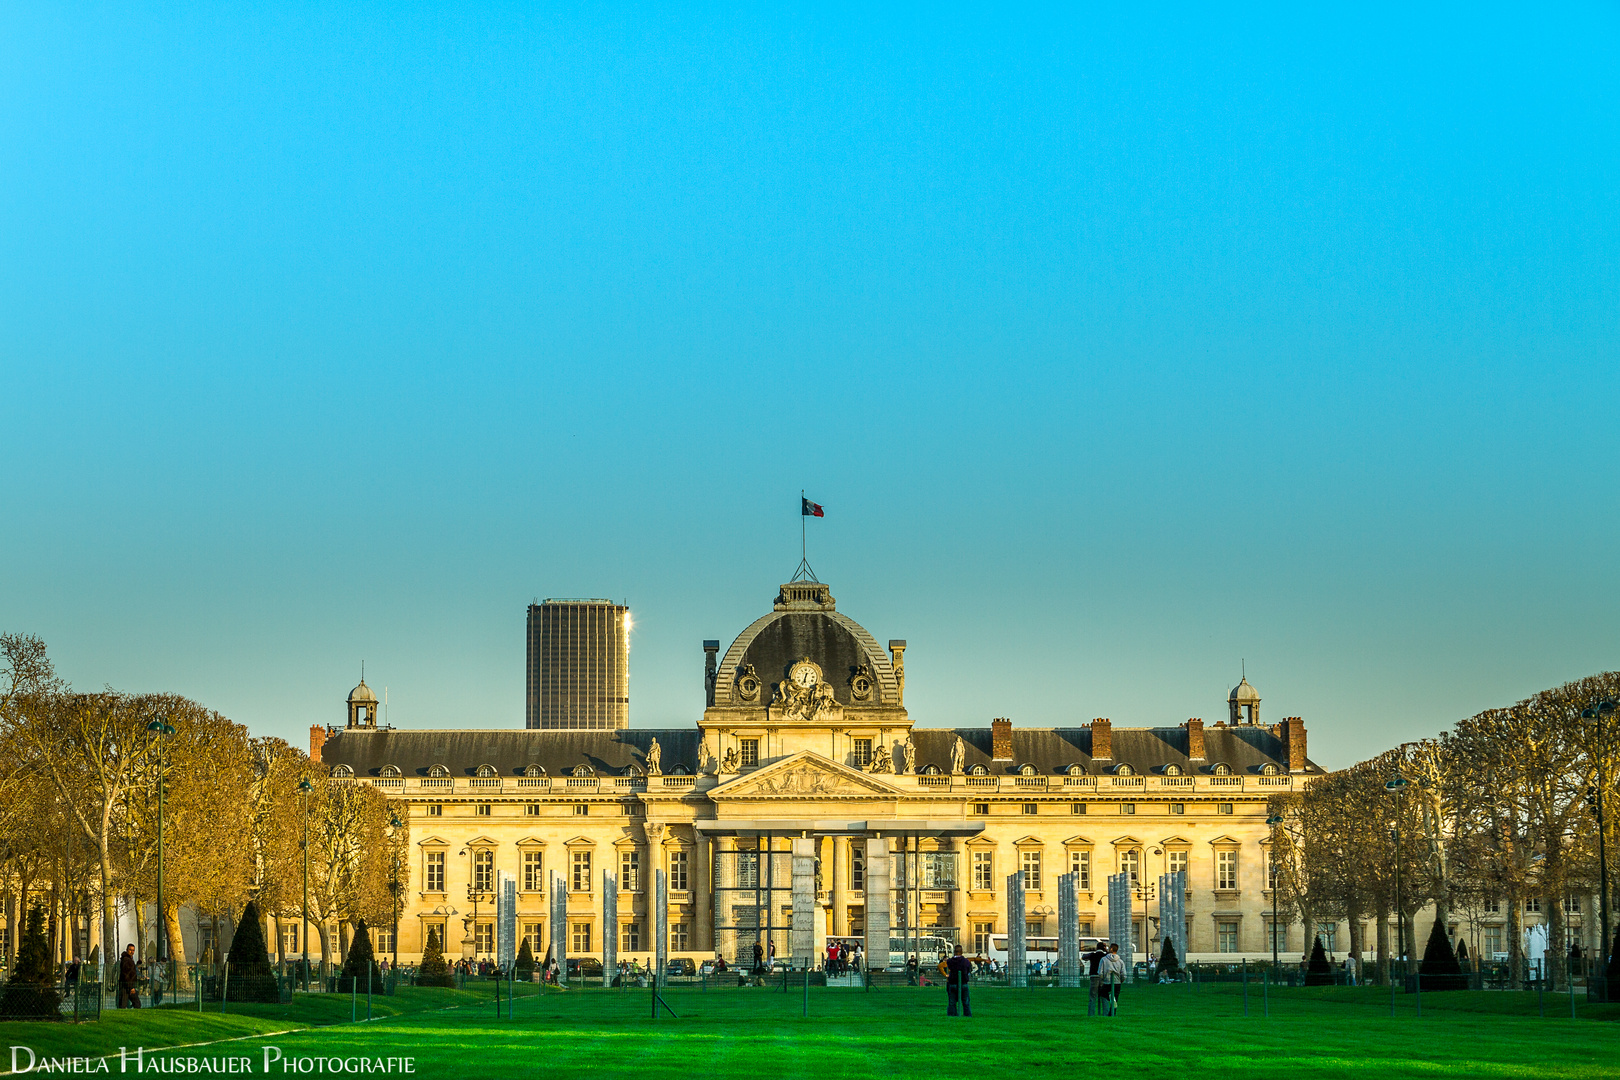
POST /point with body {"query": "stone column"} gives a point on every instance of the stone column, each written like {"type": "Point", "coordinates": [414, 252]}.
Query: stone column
{"type": "Point", "coordinates": [836, 892]}
{"type": "Point", "coordinates": [1017, 970]}
{"type": "Point", "coordinates": [1068, 930]}
{"type": "Point", "coordinates": [660, 925]}
{"type": "Point", "coordinates": [725, 857]}
{"type": "Point", "coordinates": [802, 941]}
{"type": "Point", "coordinates": [877, 903]}
{"type": "Point", "coordinates": [559, 924]}
{"type": "Point", "coordinates": [702, 892]}
{"type": "Point", "coordinates": [610, 926]}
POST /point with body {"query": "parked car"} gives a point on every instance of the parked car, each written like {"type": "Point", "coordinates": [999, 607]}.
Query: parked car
{"type": "Point", "coordinates": [681, 965]}
{"type": "Point", "coordinates": [587, 966]}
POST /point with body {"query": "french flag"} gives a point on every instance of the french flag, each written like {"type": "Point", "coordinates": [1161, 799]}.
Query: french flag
{"type": "Point", "coordinates": [810, 509]}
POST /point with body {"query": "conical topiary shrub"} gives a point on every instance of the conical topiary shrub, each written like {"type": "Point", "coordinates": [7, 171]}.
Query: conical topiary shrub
{"type": "Point", "coordinates": [31, 993]}
{"type": "Point", "coordinates": [1168, 962]}
{"type": "Point", "coordinates": [523, 969]}
{"type": "Point", "coordinates": [1462, 952]}
{"type": "Point", "coordinates": [360, 959]}
{"type": "Point", "coordinates": [434, 971]}
{"type": "Point", "coordinates": [1439, 969]}
{"type": "Point", "coordinates": [1318, 972]}
{"type": "Point", "coordinates": [248, 976]}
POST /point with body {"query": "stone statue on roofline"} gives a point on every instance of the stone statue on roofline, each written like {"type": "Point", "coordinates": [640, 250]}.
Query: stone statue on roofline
{"type": "Point", "coordinates": [958, 756]}
{"type": "Point", "coordinates": [655, 759]}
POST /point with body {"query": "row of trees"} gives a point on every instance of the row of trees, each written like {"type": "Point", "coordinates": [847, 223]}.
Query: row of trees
{"type": "Point", "coordinates": [1494, 813]}
{"type": "Point", "coordinates": [79, 775]}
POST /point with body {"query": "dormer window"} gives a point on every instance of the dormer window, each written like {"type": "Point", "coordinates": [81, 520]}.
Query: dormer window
{"type": "Point", "coordinates": [583, 770]}
{"type": "Point", "coordinates": [930, 770]}
{"type": "Point", "coordinates": [534, 772]}
{"type": "Point", "coordinates": [1268, 769]}
{"type": "Point", "coordinates": [1026, 770]}
{"type": "Point", "coordinates": [978, 770]}
{"type": "Point", "coordinates": [1222, 769]}
{"type": "Point", "coordinates": [390, 772]}
{"type": "Point", "coordinates": [486, 772]}
{"type": "Point", "coordinates": [438, 772]}
{"type": "Point", "coordinates": [1125, 770]}
{"type": "Point", "coordinates": [679, 770]}
{"type": "Point", "coordinates": [1076, 770]}
{"type": "Point", "coordinates": [342, 772]}
{"type": "Point", "coordinates": [1172, 770]}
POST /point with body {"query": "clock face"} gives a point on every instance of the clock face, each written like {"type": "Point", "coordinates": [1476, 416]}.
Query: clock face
{"type": "Point", "coordinates": [803, 674]}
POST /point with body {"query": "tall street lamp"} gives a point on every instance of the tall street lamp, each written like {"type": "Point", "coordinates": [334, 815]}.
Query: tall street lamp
{"type": "Point", "coordinates": [1396, 786]}
{"type": "Point", "coordinates": [304, 789]}
{"type": "Point", "coordinates": [1274, 820]}
{"type": "Point", "coordinates": [1594, 716]}
{"type": "Point", "coordinates": [160, 729]}
{"type": "Point", "coordinates": [474, 892]}
{"type": "Point", "coordinates": [393, 885]}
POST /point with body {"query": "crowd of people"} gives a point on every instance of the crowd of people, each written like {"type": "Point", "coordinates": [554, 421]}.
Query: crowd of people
{"type": "Point", "coordinates": [844, 957]}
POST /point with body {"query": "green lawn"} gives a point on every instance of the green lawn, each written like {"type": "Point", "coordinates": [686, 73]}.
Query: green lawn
{"type": "Point", "coordinates": [1162, 1031]}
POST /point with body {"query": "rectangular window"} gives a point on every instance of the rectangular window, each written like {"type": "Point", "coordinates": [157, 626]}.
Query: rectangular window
{"type": "Point", "coordinates": [1226, 869]}
{"type": "Point", "coordinates": [981, 809]}
{"type": "Point", "coordinates": [1178, 808]}
{"type": "Point", "coordinates": [1573, 905]}
{"type": "Point", "coordinates": [1493, 941]}
{"type": "Point", "coordinates": [435, 810]}
{"type": "Point", "coordinates": [1034, 927]}
{"type": "Point", "coordinates": [1223, 808]}
{"type": "Point", "coordinates": [1273, 869]}
{"type": "Point", "coordinates": [1031, 808]}
{"type": "Point", "coordinates": [1329, 933]}
{"type": "Point", "coordinates": [435, 871]}
{"type": "Point", "coordinates": [289, 937]}
{"type": "Point", "coordinates": [1080, 867]}
{"type": "Point", "coordinates": [677, 870]}
{"type": "Point", "coordinates": [981, 937]}
{"type": "Point", "coordinates": [748, 870]}
{"type": "Point", "coordinates": [1279, 936]}
{"type": "Point", "coordinates": [582, 809]}
{"type": "Point", "coordinates": [984, 876]}
{"type": "Point", "coordinates": [1226, 937]}
{"type": "Point", "coordinates": [857, 867]}
{"type": "Point", "coordinates": [384, 936]}
{"type": "Point", "coordinates": [678, 937]}
{"type": "Point", "coordinates": [749, 751]}
{"type": "Point", "coordinates": [484, 938]}
{"type": "Point", "coordinates": [533, 935]}
{"type": "Point", "coordinates": [1127, 808]}
{"type": "Point", "coordinates": [863, 753]}
{"type": "Point", "coordinates": [534, 871]}
{"type": "Point", "coordinates": [582, 872]}
{"type": "Point", "coordinates": [531, 809]}
{"type": "Point", "coordinates": [1532, 907]}
{"type": "Point", "coordinates": [483, 870]}
{"type": "Point", "coordinates": [581, 938]}
{"type": "Point", "coordinates": [1032, 869]}
{"type": "Point", "coordinates": [1176, 861]}
{"type": "Point", "coordinates": [1130, 862]}
{"type": "Point", "coordinates": [1077, 808]}
{"type": "Point", "coordinates": [483, 809]}
{"type": "Point", "coordinates": [1493, 907]}
{"type": "Point", "coordinates": [630, 937]}
{"type": "Point", "coordinates": [630, 871]}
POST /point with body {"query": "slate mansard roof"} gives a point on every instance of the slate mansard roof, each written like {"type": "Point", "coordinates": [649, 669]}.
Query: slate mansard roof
{"type": "Point", "coordinates": [511, 752]}
{"type": "Point", "coordinates": [1052, 751]}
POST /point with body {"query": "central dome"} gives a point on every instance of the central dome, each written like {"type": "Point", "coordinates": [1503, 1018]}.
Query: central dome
{"type": "Point", "coordinates": [805, 624]}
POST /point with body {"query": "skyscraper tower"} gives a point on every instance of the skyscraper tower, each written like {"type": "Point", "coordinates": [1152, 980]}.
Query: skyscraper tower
{"type": "Point", "coordinates": [579, 665]}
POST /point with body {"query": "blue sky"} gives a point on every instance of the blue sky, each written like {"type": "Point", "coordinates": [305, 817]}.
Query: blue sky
{"type": "Point", "coordinates": [1121, 347]}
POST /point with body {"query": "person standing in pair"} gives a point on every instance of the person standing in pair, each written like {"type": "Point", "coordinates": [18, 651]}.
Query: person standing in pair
{"type": "Point", "coordinates": [957, 971]}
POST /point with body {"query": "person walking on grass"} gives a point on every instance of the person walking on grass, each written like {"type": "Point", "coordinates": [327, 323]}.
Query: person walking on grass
{"type": "Point", "coordinates": [1093, 961]}
{"type": "Point", "coordinates": [957, 971]}
{"type": "Point", "coordinates": [1113, 977]}
{"type": "Point", "coordinates": [129, 979]}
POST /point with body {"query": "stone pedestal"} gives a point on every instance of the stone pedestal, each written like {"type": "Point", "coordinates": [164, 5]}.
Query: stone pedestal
{"type": "Point", "coordinates": [1017, 969]}
{"type": "Point", "coordinates": [1068, 930]}
{"type": "Point", "coordinates": [610, 926]}
{"type": "Point", "coordinates": [802, 941]}
{"type": "Point", "coordinates": [877, 903]}
{"type": "Point", "coordinates": [559, 924]}
{"type": "Point", "coordinates": [660, 923]}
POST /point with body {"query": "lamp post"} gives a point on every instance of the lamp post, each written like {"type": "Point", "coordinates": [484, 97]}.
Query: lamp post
{"type": "Point", "coordinates": [1396, 786]}
{"type": "Point", "coordinates": [393, 886]}
{"type": "Point", "coordinates": [160, 729]}
{"type": "Point", "coordinates": [473, 894]}
{"type": "Point", "coordinates": [304, 790]}
{"type": "Point", "coordinates": [1594, 715]}
{"type": "Point", "coordinates": [1274, 820]}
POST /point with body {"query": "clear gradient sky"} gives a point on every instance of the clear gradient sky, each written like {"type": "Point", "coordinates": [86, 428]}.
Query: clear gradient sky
{"type": "Point", "coordinates": [1120, 347]}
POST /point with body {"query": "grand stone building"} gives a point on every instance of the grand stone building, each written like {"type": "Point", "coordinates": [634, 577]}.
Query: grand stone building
{"type": "Point", "coordinates": [805, 747]}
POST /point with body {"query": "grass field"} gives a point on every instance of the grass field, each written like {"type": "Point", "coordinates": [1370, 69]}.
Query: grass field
{"type": "Point", "coordinates": [1161, 1031]}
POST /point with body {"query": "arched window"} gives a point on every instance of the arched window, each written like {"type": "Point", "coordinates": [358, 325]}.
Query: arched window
{"type": "Point", "coordinates": [978, 770]}
{"type": "Point", "coordinates": [438, 772]}
{"type": "Point", "coordinates": [1222, 769]}
{"type": "Point", "coordinates": [930, 770]}
{"type": "Point", "coordinates": [1172, 770]}
{"type": "Point", "coordinates": [534, 771]}
{"type": "Point", "coordinates": [679, 770]}
{"type": "Point", "coordinates": [1268, 769]}
{"type": "Point", "coordinates": [390, 772]}
{"type": "Point", "coordinates": [342, 771]}
{"type": "Point", "coordinates": [583, 770]}
{"type": "Point", "coordinates": [1125, 770]}
{"type": "Point", "coordinates": [1076, 770]}
{"type": "Point", "coordinates": [486, 772]}
{"type": "Point", "coordinates": [1026, 770]}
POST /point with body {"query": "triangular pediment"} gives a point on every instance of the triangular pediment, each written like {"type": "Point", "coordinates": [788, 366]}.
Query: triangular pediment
{"type": "Point", "coordinates": [802, 774]}
{"type": "Point", "coordinates": [1223, 839]}
{"type": "Point", "coordinates": [1179, 841]}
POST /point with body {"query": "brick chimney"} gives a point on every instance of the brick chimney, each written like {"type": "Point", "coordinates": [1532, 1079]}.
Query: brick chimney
{"type": "Point", "coordinates": [1294, 743]}
{"type": "Point", "coordinates": [1001, 739]}
{"type": "Point", "coordinates": [1195, 739]}
{"type": "Point", "coordinates": [317, 739]}
{"type": "Point", "coordinates": [1102, 738]}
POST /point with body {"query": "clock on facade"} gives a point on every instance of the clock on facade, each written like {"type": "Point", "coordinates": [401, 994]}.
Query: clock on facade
{"type": "Point", "coordinates": [804, 674]}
